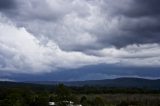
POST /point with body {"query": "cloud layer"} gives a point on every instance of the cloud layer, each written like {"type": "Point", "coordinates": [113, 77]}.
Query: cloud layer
{"type": "Point", "coordinates": [40, 36]}
{"type": "Point", "coordinates": [21, 51]}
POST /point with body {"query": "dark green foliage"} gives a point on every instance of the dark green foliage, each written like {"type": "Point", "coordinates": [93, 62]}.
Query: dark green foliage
{"type": "Point", "coordinates": [83, 100]}
{"type": "Point", "coordinates": [63, 93]}
{"type": "Point", "coordinates": [41, 100]}
{"type": "Point", "coordinates": [14, 99]}
{"type": "Point", "coordinates": [123, 103]}
{"type": "Point", "coordinates": [38, 95]}
{"type": "Point", "coordinates": [98, 102]}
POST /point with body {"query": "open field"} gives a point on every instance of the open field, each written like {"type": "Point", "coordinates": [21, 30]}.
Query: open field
{"type": "Point", "coordinates": [127, 99]}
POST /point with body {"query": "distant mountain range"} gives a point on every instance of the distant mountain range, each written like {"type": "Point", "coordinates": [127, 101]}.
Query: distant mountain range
{"type": "Point", "coordinates": [119, 82]}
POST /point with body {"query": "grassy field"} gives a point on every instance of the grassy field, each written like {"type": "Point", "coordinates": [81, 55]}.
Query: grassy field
{"type": "Point", "coordinates": [126, 99]}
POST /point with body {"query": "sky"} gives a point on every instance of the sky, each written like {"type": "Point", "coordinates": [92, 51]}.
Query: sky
{"type": "Point", "coordinates": [79, 39]}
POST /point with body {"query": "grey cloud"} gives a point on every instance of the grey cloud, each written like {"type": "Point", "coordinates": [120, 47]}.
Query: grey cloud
{"type": "Point", "coordinates": [81, 25]}
{"type": "Point", "coordinates": [132, 8]}
{"type": "Point", "coordinates": [51, 20]}
{"type": "Point", "coordinates": [138, 22]}
{"type": "Point", "coordinates": [7, 4]}
{"type": "Point", "coordinates": [100, 71]}
{"type": "Point", "coordinates": [142, 8]}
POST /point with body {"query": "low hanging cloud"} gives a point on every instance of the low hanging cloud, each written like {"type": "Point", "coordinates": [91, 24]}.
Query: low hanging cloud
{"type": "Point", "coordinates": [21, 52]}
{"type": "Point", "coordinates": [39, 36]}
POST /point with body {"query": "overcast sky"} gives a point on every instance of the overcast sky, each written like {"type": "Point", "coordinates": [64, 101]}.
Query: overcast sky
{"type": "Point", "coordinates": [79, 39]}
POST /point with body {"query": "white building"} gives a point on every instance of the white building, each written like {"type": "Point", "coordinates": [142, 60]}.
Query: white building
{"type": "Point", "coordinates": [70, 103]}
{"type": "Point", "coordinates": [52, 104]}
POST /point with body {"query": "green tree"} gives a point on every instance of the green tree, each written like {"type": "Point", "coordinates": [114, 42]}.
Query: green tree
{"type": "Point", "coordinates": [14, 99]}
{"type": "Point", "coordinates": [83, 100]}
{"type": "Point", "coordinates": [123, 103]}
{"type": "Point", "coordinates": [41, 100]}
{"type": "Point", "coordinates": [63, 93]}
{"type": "Point", "coordinates": [98, 102]}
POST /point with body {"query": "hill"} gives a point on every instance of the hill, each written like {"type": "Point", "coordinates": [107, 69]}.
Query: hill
{"type": "Point", "coordinates": [119, 82]}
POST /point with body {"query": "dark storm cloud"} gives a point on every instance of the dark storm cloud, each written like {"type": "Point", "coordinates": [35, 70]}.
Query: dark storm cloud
{"type": "Point", "coordinates": [138, 22]}
{"type": "Point", "coordinates": [7, 4]}
{"type": "Point", "coordinates": [76, 33]}
{"type": "Point", "coordinates": [93, 72]}
{"type": "Point", "coordinates": [141, 8]}
{"type": "Point", "coordinates": [144, 24]}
